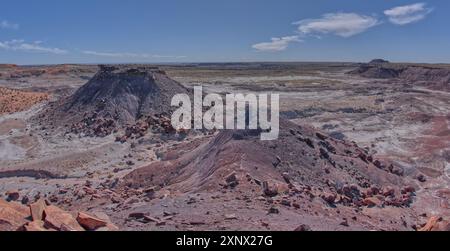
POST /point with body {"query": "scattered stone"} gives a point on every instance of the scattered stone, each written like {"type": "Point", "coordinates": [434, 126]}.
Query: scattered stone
{"type": "Point", "coordinates": [232, 180]}
{"type": "Point", "coordinates": [12, 215]}
{"type": "Point", "coordinates": [432, 224]}
{"type": "Point", "coordinates": [37, 210]}
{"type": "Point", "coordinates": [285, 202]}
{"type": "Point", "coordinates": [286, 177]}
{"type": "Point", "coordinates": [388, 191]}
{"type": "Point", "coordinates": [66, 228]}
{"type": "Point", "coordinates": [270, 191]}
{"type": "Point", "coordinates": [12, 195]}
{"type": "Point", "coordinates": [303, 228]}
{"type": "Point", "coordinates": [158, 222]}
{"type": "Point", "coordinates": [344, 223]}
{"type": "Point", "coordinates": [56, 217]}
{"type": "Point", "coordinates": [310, 143]}
{"type": "Point", "coordinates": [408, 189]}
{"type": "Point", "coordinates": [25, 200]}
{"type": "Point", "coordinates": [421, 178]}
{"type": "Point", "coordinates": [396, 170]}
{"type": "Point", "coordinates": [90, 222]}
{"type": "Point", "coordinates": [330, 198]}
{"type": "Point", "coordinates": [116, 200]}
{"type": "Point", "coordinates": [35, 226]}
{"type": "Point", "coordinates": [137, 215]}
{"type": "Point", "coordinates": [277, 162]}
{"type": "Point", "coordinates": [150, 192]}
{"type": "Point", "coordinates": [372, 202]}
{"type": "Point", "coordinates": [109, 225]}
{"type": "Point", "coordinates": [231, 217]}
{"type": "Point", "coordinates": [191, 200]}
{"type": "Point", "coordinates": [273, 210]}
{"type": "Point", "coordinates": [321, 136]}
{"type": "Point", "coordinates": [197, 223]}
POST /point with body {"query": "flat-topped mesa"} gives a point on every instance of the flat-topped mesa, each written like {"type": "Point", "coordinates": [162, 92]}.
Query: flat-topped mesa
{"type": "Point", "coordinates": [130, 69]}
{"type": "Point", "coordinates": [115, 97]}
{"type": "Point", "coordinates": [435, 76]}
{"type": "Point", "coordinates": [379, 61]}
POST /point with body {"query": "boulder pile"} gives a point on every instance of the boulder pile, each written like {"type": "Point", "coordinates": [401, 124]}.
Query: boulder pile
{"type": "Point", "coordinates": [42, 216]}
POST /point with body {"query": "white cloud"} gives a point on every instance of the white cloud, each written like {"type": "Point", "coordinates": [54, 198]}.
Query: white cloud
{"type": "Point", "coordinates": [127, 55]}
{"type": "Point", "coordinates": [277, 44]}
{"type": "Point", "coordinates": [21, 45]}
{"type": "Point", "coordinates": [341, 24]}
{"type": "Point", "coordinates": [407, 14]}
{"type": "Point", "coordinates": [7, 25]}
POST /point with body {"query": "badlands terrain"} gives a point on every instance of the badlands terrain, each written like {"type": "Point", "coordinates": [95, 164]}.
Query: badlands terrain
{"type": "Point", "coordinates": [361, 147]}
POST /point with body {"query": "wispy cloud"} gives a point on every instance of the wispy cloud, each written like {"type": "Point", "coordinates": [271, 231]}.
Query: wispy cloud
{"type": "Point", "coordinates": [276, 44]}
{"type": "Point", "coordinates": [340, 24]}
{"type": "Point", "coordinates": [128, 55]}
{"type": "Point", "coordinates": [21, 45]}
{"type": "Point", "coordinates": [8, 25]}
{"type": "Point", "coordinates": [407, 14]}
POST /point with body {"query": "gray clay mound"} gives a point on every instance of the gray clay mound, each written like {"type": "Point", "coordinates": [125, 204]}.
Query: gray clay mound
{"type": "Point", "coordinates": [115, 97]}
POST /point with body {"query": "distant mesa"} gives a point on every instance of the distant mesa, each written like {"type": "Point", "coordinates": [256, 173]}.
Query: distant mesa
{"type": "Point", "coordinates": [434, 76]}
{"type": "Point", "coordinates": [379, 61]}
{"type": "Point", "coordinates": [7, 66]}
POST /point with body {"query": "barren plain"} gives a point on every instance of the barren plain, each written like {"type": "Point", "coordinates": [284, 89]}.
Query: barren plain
{"type": "Point", "coordinates": [362, 147]}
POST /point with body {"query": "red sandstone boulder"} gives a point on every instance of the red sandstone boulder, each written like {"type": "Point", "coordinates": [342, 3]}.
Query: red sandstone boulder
{"type": "Point", "coordinates": [90, 222]}
{"type": "Point", "coordinates": [56, 217]}
{"type": "Point", "coordinates": [37, 210]}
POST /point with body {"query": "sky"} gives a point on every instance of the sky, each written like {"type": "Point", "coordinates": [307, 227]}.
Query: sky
{"type": "Point", "coordinates": [160, 31]}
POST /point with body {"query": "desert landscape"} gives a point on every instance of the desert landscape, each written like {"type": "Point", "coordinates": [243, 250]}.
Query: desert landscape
{"type": "Point", "coordinates": [362, 147]}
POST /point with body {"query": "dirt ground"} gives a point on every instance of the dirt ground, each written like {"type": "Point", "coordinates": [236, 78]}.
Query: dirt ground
{"type": "Point", "coordinates": [397, 122]}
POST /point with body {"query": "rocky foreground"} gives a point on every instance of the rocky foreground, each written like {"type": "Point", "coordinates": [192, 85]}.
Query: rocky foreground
{"type": "Point", "coordinates": [42, 216]}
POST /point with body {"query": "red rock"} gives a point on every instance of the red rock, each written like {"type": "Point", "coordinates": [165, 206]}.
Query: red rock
{"type": "Point", "coordinates": [328, 197]}
{"type": "Point", "coordinates": [109, 225]}
{"type": "Point", "coordinates": [107, 228]}
{"type": "Point", "coordinates": [35, 226]}
{"type": "Point", "coordinates": [268, 190]}
{"type": "Point", "coordinates": [283, 188]}
{"type": "Point", "coordinates": [431, 225]}
{"type": "Point", "coordinates": [408, 189]}
{"type": "Point", "coordinates": [16, 206]}
{"type": "Point", "coordinates": [65, 228]}
{"type": "Point", "coordinates": [90, 222]}
{"type": "Point", "coordinates": [388, 191]}
{"type": "Point", "coordinates": [37, 210]}
{"type": "Point", "coordinates": [56, 217]}
{"type": "Point", "coordinates": [372, 202]}
{"type": "Point", "coordinates": [12, 215]}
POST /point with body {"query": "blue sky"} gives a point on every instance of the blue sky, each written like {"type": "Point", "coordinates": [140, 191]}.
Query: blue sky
{"type": "Point", "coordinates": [114, 31]}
